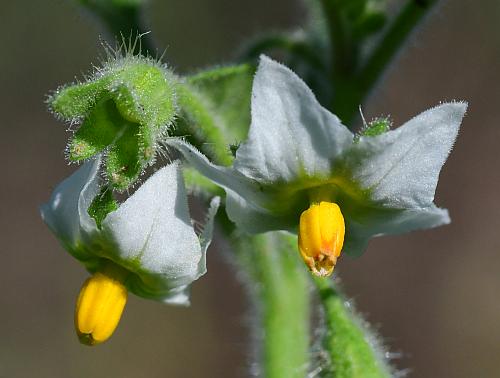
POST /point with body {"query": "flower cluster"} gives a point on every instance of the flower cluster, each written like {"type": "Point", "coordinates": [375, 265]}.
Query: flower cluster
{"type": "Point", "coordinates": [300, 170]}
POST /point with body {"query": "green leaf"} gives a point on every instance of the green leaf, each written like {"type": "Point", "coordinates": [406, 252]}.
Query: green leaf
{"type": "Point", "coordinates": [215, 109]}
{"type": "Point", "coordinates": [202, 125]}
{"type": "Point", "coordinates": [226, 92]}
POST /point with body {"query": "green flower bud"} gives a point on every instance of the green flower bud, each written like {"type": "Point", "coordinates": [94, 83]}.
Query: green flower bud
{"type": "Point", "coordinates": [123, 110]}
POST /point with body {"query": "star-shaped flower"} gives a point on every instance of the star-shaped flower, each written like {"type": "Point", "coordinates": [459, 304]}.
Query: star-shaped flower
{"type": "Point", "coordinates": [302, 171]}
{"type": "Point", "coordinates": [147, 245]}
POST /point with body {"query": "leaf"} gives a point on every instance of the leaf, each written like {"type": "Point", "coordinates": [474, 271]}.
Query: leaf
{"type": "Point", "coordinates": [226, 93]}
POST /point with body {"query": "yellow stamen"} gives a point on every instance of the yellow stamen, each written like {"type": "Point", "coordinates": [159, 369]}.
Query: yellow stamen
{"type": "Point", "coordinates": [100, 306]}
{"type": "Point", "coordinates": [321, 237]}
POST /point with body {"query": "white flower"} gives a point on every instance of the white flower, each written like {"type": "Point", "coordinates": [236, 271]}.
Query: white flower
{"type": "Point", "coordinates": [302, 170]}
{"type": "Point", "coordinates": [148, 245]}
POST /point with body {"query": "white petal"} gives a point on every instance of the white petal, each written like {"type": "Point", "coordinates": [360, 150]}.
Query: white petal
{"type": "Point", "coordinates": [66, 212]}
{"type": "Point", "coordinates": [243, 194]}
{"type": "Point", "coordinates": [391, 222]}
{"type": "Point", "coordinates": [151, 234]}
{"type": "Point", "coordinates": [254, 219]}
{"type": "Point", "coordinates": [178, 296]}
{"type": "Point", "coordinates": [402, 166]}
{"type": "Point", "coordinates": [291, 133]}
{"type": "Point", "coordinates": [206, 234]}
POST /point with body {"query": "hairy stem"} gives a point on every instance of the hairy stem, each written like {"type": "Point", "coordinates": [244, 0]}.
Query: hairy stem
{"type": "Point", "coordinates": [408, 18]}
{"type": "Point", "coordinates": [282, 290]}
{"type": "Point", "coordinates": [353, 351]}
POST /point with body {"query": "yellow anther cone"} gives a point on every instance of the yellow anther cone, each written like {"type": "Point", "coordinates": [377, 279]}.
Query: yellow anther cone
{"type": "Point", "coordinates": [99, 307]}
{"type": "Point", "coordinates": [321, 237]}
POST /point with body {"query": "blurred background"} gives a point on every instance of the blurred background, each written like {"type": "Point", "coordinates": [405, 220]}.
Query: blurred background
{"type": "Point", "coordinates": [433, 295]}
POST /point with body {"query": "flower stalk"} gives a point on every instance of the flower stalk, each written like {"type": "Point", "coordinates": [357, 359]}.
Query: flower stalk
{"type": "Point", "coordinates": [353, 351]}
{"type": "Point", "coordinates": [281, 286]}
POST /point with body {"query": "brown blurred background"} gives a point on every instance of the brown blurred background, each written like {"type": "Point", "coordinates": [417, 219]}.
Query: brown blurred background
{"type": "Point", "coordinates": [434, 295]}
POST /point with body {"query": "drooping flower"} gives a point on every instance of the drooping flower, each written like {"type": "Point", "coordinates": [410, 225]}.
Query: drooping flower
{"type": "Point", "coordinates": [302, 171]}
{"type": "Point", "coordinates": [146, 246]}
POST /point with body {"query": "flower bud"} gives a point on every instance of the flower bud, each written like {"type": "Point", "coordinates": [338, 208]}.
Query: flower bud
{"type": "Point", "coordinates": [321, 237]}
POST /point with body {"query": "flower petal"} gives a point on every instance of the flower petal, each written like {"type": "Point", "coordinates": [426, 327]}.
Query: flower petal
{"type": "Point", "coordinates": [206, 234]}
{"type": "Point", "coordinates": [178, 296]}
{"type": "Point", "coordinates": [291, 134]}
{"type": "Point", "coordinates": [243, 194]}
{"type": "Point", "coordinates": [66, 211]}
{"type": "Point", "coordinates": [402, 166]}
{"type": "Point", "coordinates": [151, 234]}
{"type": "Point", "coordinates": [391, 222]}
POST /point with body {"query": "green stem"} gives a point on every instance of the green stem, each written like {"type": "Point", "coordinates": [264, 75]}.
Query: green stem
{"type": "Point", "coordinates": [411, 14]}
{"type": "Point", "coordinates": [343, 60]}
{"type": "Point", "coordinates": [124, 21]}
{"type": "Point", "coordinates": [271, 262]}
{"type": "Point", "coordinates": [353, 351]}
{"type": "Point", "coordinates": [282, 287]}
{"type": "Point", "coordinates": [342, 47]}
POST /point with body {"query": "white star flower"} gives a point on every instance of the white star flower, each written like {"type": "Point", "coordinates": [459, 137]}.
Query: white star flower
{"type": "Point", "coordinates": [302, 171]}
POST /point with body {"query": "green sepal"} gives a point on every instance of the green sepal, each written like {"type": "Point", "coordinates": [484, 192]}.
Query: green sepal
{"type": "Point", "coordinates": [99, 129]}
{"type": "Point", "coordinates": [144, 93]}
{"type": "Point", "coordinates": [103, 204]}
{"type": "Point", "coordinates": [124, 109]}
{"type": "Point", "coordinates": [74, 102]}
{"type": "Point", "coordinates": [124, 163]}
